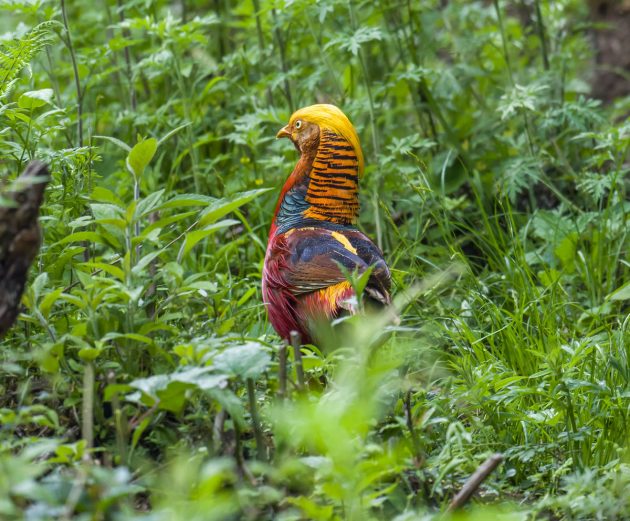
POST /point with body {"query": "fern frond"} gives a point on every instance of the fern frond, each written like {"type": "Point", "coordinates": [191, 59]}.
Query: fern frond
{"type": "Point", "coordinates": [17, 53]}
{"type": "Point", "coordinates": [519, 174]}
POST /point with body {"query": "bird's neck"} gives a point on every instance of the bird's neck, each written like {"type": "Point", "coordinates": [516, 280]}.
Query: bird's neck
{"type": "Point", "coordinates": [323, 187]}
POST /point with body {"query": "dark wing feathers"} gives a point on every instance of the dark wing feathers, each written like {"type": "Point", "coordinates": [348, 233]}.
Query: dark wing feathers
{"type": "Point", "coordinates": [316, 254]}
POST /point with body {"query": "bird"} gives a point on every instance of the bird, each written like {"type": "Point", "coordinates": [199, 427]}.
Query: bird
{"type": "Point", "coordinates": [313, 240]}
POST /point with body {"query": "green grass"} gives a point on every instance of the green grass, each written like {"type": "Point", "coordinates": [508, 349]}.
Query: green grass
{"type": "Point", "coordinates": [142, 378]}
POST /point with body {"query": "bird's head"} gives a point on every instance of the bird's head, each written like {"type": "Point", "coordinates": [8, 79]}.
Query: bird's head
{"type": "Point", "coordinates": [307, 123]}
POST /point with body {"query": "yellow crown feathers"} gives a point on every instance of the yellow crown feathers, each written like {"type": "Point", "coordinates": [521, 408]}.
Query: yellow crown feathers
{"type": "Point", "coordinates": [329, 117]}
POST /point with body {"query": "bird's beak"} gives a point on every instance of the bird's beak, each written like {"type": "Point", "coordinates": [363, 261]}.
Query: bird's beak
{"type": "Point", "coordinates": [283, 132]}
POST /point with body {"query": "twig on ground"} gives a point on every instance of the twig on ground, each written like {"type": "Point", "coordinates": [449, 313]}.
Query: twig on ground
{"type": "Point", "coordinates": [474, 481]}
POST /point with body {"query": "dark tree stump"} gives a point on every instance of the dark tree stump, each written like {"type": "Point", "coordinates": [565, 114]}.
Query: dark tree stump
{"type": "Point", "coordinates": [20, 237]}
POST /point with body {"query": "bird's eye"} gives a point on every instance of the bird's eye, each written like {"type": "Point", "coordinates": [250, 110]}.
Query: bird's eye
{"type": "Point", "coordinates": [298, 124]}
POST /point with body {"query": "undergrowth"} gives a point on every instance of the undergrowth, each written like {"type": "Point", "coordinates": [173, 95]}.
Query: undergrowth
{"type": "Point", "coordinates": [142, 379]}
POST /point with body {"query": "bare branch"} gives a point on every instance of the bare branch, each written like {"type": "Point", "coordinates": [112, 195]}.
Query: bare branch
{"type": "Point", "coordinates": [474, 481]}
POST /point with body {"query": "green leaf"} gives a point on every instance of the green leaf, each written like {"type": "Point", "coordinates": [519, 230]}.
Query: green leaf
{"type": "Point", "coordinates": [361, 281]}
{"type": "Point", "coordinates": [114, 389]}
{"type": "Point", "coordinates": [192, 238]}
{"type": "Point", "coordinates": [103, 195]}
{"type": "Point", "coordinates": [566, 251]}
{"type": "Point", "coordinates": [210, 85]}
{"type": "Point", "coordinates": [184, 200]}
{"type": "Point", "coordinates": [131, 336]}
{"type": "Point", "coordinates": [622, 293]}
{"type": "Point", "coordinates": [224, 206]}
{"type": "Point", "coordinates": [83, 236]}
{"type": "Point", "coordinates": [170, 390]}
{"type": "Point", "coordinates": [89, 354]}
{"type": "Point", "coordinates": [248, 294]}
{"type": "Point", "coordinates": [145, 261]}
{"type": "Point", "coordinates": [165, 221]}
{"type": "Point", "coordinates": [35, 98]}
{"type": "Point", "coordinates": [140, 155]}
{"type": "Point", "coordinates": [119, 43]}
{"type": "Point", "coordinates": [39, 284]}
{"type": "Point", "coordinates": [148, 204]}
{"type": "Point", "coordinates": [245, 361]}
{"type": "Point", "coordinates": [115, 141]}
{"type": "Point", "coordinates": [107, 268]}
{"type": "Point", "coordinates": [138, 431]}
{"type": "Point", "coordinates": [173, 132]}
{"type": "Point", "coordinates": [311, 509]}
{"type": "Point", "coordinates": [47, 302]}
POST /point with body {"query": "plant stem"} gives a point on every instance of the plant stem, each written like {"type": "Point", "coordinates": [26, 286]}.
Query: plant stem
{"type": "Point", "coordinates": [261, 46]}
{"type": "Point", "coordinates": [253, 411]}
{"type": "Point", "coordinates": [54, 80]}
{"type": "Point", "coordinates": [120, 422]}
{"type": "Point", "coordinates": [283, 59]}
{"type": "Point", "coordinates": [297, 355]}
{"type": "Point", "coordinates": [334, 76]}
{"type": "Point", "coordinates": [282, 371]}
{"type": "Point", "coordinates": [508, 62]}
{"type": "Point", "coordinates": [506, 55]}
{"type": "Point", "coordinates": [75, 69]}
{"type": "Point", "coordinates": [127, 35]}
{"type": "Point", "coordinates": [368, 88]}
{"type": "Point", "coordinates": [412, 430]}
{"type": "Point", "coordinates": [218, 431]}
{"type": "Point", "coordinates": [87, 425]}
{"type": "Point", "coordinates": [541, 34]}
{"type": "Point", "coordinates": [377, 220]}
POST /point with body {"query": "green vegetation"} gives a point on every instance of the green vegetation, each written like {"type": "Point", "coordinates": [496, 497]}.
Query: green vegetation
{"type": "Point", "coordinates": [141, 380]}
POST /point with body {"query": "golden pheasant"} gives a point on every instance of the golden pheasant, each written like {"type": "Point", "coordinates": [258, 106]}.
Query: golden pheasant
{"type": "Point", "coordinates": [314, 232]}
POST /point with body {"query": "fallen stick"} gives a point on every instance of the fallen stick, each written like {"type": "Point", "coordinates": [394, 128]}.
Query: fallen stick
{"type": "Point", "coordinates": [474, 481]}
